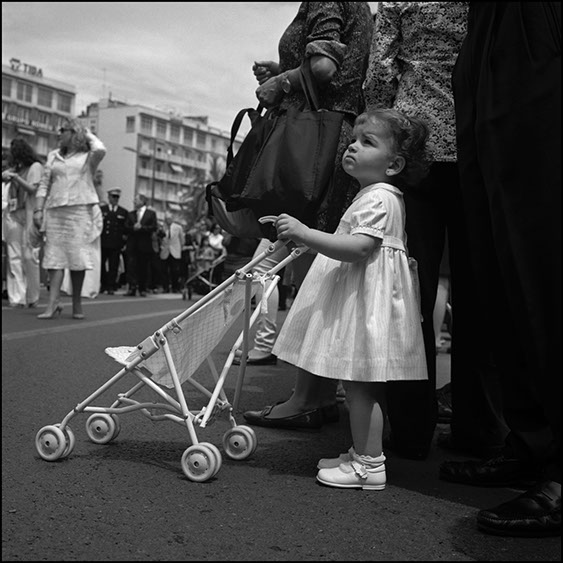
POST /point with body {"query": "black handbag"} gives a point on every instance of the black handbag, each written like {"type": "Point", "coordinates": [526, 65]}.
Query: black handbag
{"type": "Point", "coordinates": [222, 206]}
{"type": "Point", "coordinates": [285, 163]}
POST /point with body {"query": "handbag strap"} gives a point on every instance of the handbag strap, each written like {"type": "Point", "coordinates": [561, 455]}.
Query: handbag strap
{"type": "Point", "coordinates": [252, 114]}
{"type": "Point", "coordinates": [309, 86]}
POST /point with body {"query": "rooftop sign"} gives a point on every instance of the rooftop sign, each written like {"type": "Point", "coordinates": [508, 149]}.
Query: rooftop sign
{"type": "Point", "coordinates": [18, 66]}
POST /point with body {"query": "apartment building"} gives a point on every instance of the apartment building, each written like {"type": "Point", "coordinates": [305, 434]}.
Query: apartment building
{"type": "Point", "coordinates": [33, 106]}
{"type": "Point", "coordinates": [167, 157]}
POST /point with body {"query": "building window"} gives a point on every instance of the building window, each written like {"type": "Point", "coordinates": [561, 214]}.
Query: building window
{"type": "Point", "coordinates": [175, 133]}
{"type": "Point", "coordinates": [146, 124]}
{"type": "Point", "coordinates": [64, 103]}
{"type": "Point", "coordinates": [45, 98]}
{"type": "Point", "coordinates": [200, 139]}
{"type": "Point", "coordinates": [23, 114]}
{"type": "Point", "coordinates": [42, 146]}
{"type": "Point", "coordinates": [24, 92]}
{"type": "Point", "coordinates": [146, 145]}
{"type": "Point", "coordinates": [130, 124]}
{"type": "Point", "coordinates": [161, 129]}
{"type": "Point", "coordinates": [188, 136]}
{"type": "Point", "coordinates": [6, 87]}
{"type": "Point", "coordinates": [43, 117]}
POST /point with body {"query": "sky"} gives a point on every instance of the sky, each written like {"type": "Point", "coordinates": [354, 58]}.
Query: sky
{"type": "Point", "coordinates": [193, 58]}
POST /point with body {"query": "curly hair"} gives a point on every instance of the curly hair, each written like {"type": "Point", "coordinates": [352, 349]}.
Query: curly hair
{"type": "Point", "coordinates": [409, 135]}
{"type": "Point", "coordinates": [22, 154]}
{"type": "Point", "coordinates": [79, 140]}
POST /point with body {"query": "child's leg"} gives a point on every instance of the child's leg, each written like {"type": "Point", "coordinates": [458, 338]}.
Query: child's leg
{"type": "Point", "coordinates": [365, 467]}
{"type": "Point", "coordinates": [366, 402]}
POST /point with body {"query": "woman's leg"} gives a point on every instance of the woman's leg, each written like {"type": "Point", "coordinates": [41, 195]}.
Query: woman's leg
{"type": "Point", "coordinates": [55, 282]}
{"type": "Point", "coordinates": [367, 415]}
{"type": "Point", "coordinates": [15, 281]}
{"type": "Point", "coordinates": [31, 269]}
{"type": "Point", "coordinates": [440, 308]}
{"type": "Point", "coordinates": [77, 280]}
{"type": "Point", "coordinates": [311, 392]}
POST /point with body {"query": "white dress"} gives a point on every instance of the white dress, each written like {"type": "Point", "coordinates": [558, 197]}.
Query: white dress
{"type": "Point", "coordinates": [360, 321]}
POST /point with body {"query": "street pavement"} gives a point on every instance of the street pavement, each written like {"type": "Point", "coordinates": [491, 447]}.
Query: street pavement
{"type": "Point", "coordinates": [130, 500]}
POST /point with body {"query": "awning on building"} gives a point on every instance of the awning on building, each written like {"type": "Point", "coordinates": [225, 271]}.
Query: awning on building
{"type": "Point", "coordinates": [176, 168]}
{"type": "Point", "coordinates": [25, 131]}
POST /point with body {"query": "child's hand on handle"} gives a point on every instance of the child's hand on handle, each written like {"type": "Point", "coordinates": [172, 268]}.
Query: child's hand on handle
{"type": "Point", "coordinates": [289, 227]}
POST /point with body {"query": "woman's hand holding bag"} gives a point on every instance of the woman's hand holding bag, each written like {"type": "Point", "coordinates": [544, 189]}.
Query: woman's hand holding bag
{"type": "Point", "coordinates": [284, 165]}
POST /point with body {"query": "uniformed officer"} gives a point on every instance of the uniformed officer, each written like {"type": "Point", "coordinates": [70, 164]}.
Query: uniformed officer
{"type": "Point", "coordinates": [113, 240]}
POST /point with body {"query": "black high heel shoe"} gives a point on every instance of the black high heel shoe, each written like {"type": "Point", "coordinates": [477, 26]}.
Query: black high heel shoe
{"type": "Point", "coordinates": [54, 314]}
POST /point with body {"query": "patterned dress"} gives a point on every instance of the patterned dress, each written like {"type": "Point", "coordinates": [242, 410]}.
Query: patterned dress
{"type": "Point", "coordinates": [360, 321]}
{"type": "Point", "coordinates": [414, 49]}
{"type": "Point", "coordinates": [341, 31]}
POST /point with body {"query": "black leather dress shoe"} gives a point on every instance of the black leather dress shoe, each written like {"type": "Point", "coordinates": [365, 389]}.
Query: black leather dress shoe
{"type": "Point", "coordinates": [269, 360]}
{"type": "Point", "coordinates": [310, 420]}
{"type": "Point", "coordinates": [535, 513]}
{"type": "Point", "coordinates": [494, 472]}
{"type": "Point", "coordinates": [444, 399]}
{"type": "Point", "coordinates": [446, 441]}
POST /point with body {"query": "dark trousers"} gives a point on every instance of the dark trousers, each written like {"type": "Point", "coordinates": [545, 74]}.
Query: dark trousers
{"type": "Point", "coordinates": [507, 87]}
{"type": "Point", "coordinates": [139, 264]}
{"type": "Point", "coordinates": [411, 405]}
{"type": "Point", "coordinates": [110, 266]}
{"type": "Point", "coordinates": [432, 211]}
{"type": "Point", "coordinates": [170, 268]}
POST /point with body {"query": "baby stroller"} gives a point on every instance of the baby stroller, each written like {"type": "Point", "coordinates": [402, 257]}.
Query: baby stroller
{"type": "Point", "coordinates": [169, 358]}
{"type": "Point", "coordinates": [200, 278]}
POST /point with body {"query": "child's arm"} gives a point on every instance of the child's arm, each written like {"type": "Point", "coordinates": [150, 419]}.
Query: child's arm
{"type": "Point", "coordinates": [346, 248]}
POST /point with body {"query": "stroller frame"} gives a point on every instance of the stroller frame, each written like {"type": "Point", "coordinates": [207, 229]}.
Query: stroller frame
{"type": "Point", "coordinates": [202, 460]}
{"type": "Point", "coordinates": [201, 278]}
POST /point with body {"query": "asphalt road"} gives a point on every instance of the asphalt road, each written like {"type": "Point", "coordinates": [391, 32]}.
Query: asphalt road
{"type": "Point", "coordinates": [130, 500]}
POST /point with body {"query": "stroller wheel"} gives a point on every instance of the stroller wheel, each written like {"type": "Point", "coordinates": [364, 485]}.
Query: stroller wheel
{"type": "Point", "coordinates": [199, 463]}
{"type": "Point", "coordinates": [101, 428]}
{"type": "Point", "coordinates": [117, 426]}
{"type": "Point", "coordinates": [50, 442]}
{"type": "Point", "coordinates": [239, 442]}
{"type": "Point", "coordinates": [70, 440]}
{"type": "Point", "coordinates": [216, 453]}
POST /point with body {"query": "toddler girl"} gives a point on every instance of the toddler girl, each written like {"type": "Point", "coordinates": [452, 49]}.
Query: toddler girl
{"type": "Point", "coordinates": [356, 317]}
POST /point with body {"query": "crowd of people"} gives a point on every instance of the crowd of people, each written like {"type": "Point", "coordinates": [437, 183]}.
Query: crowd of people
{"type": "Point", "coordinates": [451, 132]}
{"type": "Point", "coordinates": [58, 207]}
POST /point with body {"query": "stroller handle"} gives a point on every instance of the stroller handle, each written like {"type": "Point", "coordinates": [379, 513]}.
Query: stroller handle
{"type": "Point", "coordinates": [268, 219]}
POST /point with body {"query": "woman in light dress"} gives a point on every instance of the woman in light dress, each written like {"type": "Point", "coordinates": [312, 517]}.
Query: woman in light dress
{"type": "Point", "coordinates": [67, 202]}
